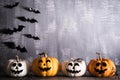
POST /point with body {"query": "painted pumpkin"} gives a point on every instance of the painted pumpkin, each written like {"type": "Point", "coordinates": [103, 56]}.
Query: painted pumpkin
{"type": "Point", "coordinates": [74, 67]}
{"type": "Point", "coordinates": [101, 67]}
{"type": "Point", "coordinates": [45, 66]}
{"type": "Point", "coordinates": [16, 67]}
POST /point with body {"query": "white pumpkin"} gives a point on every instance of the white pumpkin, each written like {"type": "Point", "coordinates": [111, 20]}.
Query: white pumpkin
{"type": "Point", "coordinates": [17, 67]}
{"type": "Point", "coordinates": [74, 67]}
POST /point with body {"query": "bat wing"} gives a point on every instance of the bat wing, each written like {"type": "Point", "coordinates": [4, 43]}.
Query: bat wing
{"type": "Point", "coordinates": [22, 18]}
{"type": "Point", "coordinates": [10, 45]}
{"type": "Point", "coordinates": [36, 11]}
{"type": "Point", "coordinates": [27, 9]}
{"type": "Point", "coordinates": [20, 28]}
{"type": "Point", "coordinates": [36, 38]}
{"type": "Point", "coordinates": [31, 10]}
{"type": "Point", "coordinates": [12, 5]}
{"type": "Point", "coordinates": [22, 50]}
{"type": "Point", "coordinates": [33, 20]}
{"type": "Point", "coordinates": [6, 31]}
{"type": "Point", "coordinates": [28, 35]}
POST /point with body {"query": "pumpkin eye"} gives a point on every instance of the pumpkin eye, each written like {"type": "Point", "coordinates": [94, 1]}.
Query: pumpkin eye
{"type": "Point", "coordinates": [40, 61]}
{"type": "Point", "coordinates": [76, 64]}
{"type": "Point", "coordinates": [47, 61]}
{"type": "Point", "coordinates": [14, 64]}
{"type": "Point", "coordinates": [104, 64]}
{"type": "Point", "coordinates": [70, 64]}
{"type": "Point", "coordinates": [97, 64]}
{"type": "Point", "coordinates": [19, 64]}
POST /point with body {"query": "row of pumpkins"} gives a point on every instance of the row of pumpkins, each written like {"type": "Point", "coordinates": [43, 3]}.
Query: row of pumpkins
{"type": "Point", "coordinates": [49, 66]}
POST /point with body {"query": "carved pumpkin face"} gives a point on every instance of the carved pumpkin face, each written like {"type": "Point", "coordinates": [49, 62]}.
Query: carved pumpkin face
{"type": "Point", "coordinates": [17, 68]}
{"type": "Point", "coordinates": [101, 67]}
{"type": "Point", "coordinates": [74, 68]}
{"type": "Point", "coordinates": [45, 66]}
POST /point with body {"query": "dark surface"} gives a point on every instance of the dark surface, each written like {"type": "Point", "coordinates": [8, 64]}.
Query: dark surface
{"type": "Point", "coordinates": [31, 76]}
{"type": "Point", "coordinates": [59, 77]}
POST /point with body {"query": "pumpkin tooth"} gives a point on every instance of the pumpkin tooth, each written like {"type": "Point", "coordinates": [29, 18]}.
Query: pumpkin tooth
{"type": "Point", "coordinates": [73, 71]}
{"type": "Point", "coordinates": [44, 69]}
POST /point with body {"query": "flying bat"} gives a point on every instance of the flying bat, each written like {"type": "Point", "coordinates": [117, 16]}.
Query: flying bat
{"type": "Point", "coordinates": [31, 10]}
{"type": "Point", "coordinates": [12, 45]}
{"type": "Point", "coordinates": [24, 19]}
{"type": "Point", "coordinates": [10, 6]}
{"type": "Point", "coordinates": [11, 31]}
{"type": "Point", "coordinates": [31, 36]}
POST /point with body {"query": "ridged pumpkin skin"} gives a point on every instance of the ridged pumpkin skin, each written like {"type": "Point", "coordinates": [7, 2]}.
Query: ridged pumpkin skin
{"type": "Point", "coordinates": [45, 66]}
{"type": "Point", "coordinates": [101, 67]}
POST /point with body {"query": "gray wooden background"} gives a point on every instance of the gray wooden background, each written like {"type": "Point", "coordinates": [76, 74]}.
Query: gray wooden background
{"type": "Point", "coordinates": [67, 28]}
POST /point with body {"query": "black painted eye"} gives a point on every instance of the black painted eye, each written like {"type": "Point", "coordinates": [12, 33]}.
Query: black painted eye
{"type": "Point", "coordinates": [14, 64]}
{"type": "Point", "coordinates": [40, 61]}
{"type": "Point", "coordinates": [70, 64]}
{"type": "Point", "coordinates": [76, 64]}
{"type": "Point", "coordinates": [97, 64]}
{"type": "Point", "coordinates": [47, 61]}
{"type": "Point", "coordinates": [19, 64]}
{"type": "Point", "coordinates": [104, 64]}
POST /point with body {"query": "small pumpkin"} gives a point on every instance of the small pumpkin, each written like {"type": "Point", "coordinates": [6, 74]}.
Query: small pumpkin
{"type": "Point", "coordinates": [16, 67]}
{"type": "Point", "coordinates": [101, 67]}
{"type": "Point", "coordinates": [74, 67]}
{"type": "Point", "coordinates": [45, 66]}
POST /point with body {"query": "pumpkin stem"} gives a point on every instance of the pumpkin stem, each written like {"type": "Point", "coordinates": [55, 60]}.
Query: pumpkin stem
{"type": "Point", "coordinates": [44, 53]}
{"type": "Point", "coordinates": [72, 59]}
{"type": "Point", "coordinates": [100, 57]}
{"type": "Point", "coordinates": [17, 58]}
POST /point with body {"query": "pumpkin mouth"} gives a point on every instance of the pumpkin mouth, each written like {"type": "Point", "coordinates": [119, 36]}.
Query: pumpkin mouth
{"type": "Point", "coordinates": [73, 71]}
{"type": "Point", "coordinates": [44, 69]}
{"type": "Point", "coordinates": [100, 71]}
{"type": "Point", "coordinates": [16, 72]}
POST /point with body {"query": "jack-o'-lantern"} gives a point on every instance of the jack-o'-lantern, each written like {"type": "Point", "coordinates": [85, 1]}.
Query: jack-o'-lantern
{"type": "Point", "coordinates": [45, 66]}
{"type": "Point", "coordinates": [74, 67]}
{"type": "Point", "coordinates": [101, 67]}
{"type": "Point", "coordinates": [16, 67]}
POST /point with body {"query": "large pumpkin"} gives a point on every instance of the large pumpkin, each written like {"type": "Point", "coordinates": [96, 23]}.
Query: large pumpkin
{"type": "Point", "coordinates": [74, 67]}
{"type": "Point", "coordinates": [17, 67]}
{"type": "Point", "coordinates": [101, 67]}
{"type": "Point", "coordinates": [45, 66]}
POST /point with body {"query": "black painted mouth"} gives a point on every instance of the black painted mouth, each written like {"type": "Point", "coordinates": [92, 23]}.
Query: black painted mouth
{"type": "Point", "coordinates": [16, 72]}
{"type": "Point", "coordinates": [73, 71]}
{"type": "Point", "coordinates": [100, 71]}
{"type": "Point", "coordinates": [44, 69]}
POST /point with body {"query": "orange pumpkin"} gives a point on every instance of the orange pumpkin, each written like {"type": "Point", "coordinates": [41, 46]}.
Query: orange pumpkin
{"type": "Point", "coordinates": [45, 66]}
{"type": "Point", "coordinates": [101, 67]}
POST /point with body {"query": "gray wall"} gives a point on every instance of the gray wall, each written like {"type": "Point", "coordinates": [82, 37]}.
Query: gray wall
{"type": "Point", "coordinates": [67, 28]}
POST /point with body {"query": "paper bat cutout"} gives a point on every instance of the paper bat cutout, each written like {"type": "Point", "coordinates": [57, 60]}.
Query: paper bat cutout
{"type": "Point", "coordinates": [31, 10]}
{"type": "Point", "coordinates": [12, 45]}
{"type": "Point", "coordinates": [11, 31]}
{"type": "Point", "coordinates": [10, 6]}
{"type": "Point", "coordinates": [30, 36]}
{"type": "Point", "coordinates": [24, 19]}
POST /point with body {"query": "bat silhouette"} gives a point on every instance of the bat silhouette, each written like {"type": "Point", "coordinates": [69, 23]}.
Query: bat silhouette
{"type": "Point", "coordinates": [31, 10]}
{"type": "Point", "coordinates": [24, 19]}
{"type": "Point", "coordinates": [10, 6]}
{"type": "Point", "coordinates": [12, 45]}
{"type": "Point", "coordinates": [31, 36]}
{"type": "Point", "coordinates": [11, 31]}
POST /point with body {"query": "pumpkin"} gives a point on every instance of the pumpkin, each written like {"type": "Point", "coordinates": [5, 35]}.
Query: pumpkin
{"type": "Point", "coordinates": [45, 66]}
{"type": "Point", "coordinates": [16, 67]}
{"type": "Point", "coordinates": [101, 67]}
{"type": "Point", "coordinates": [74, 67]}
